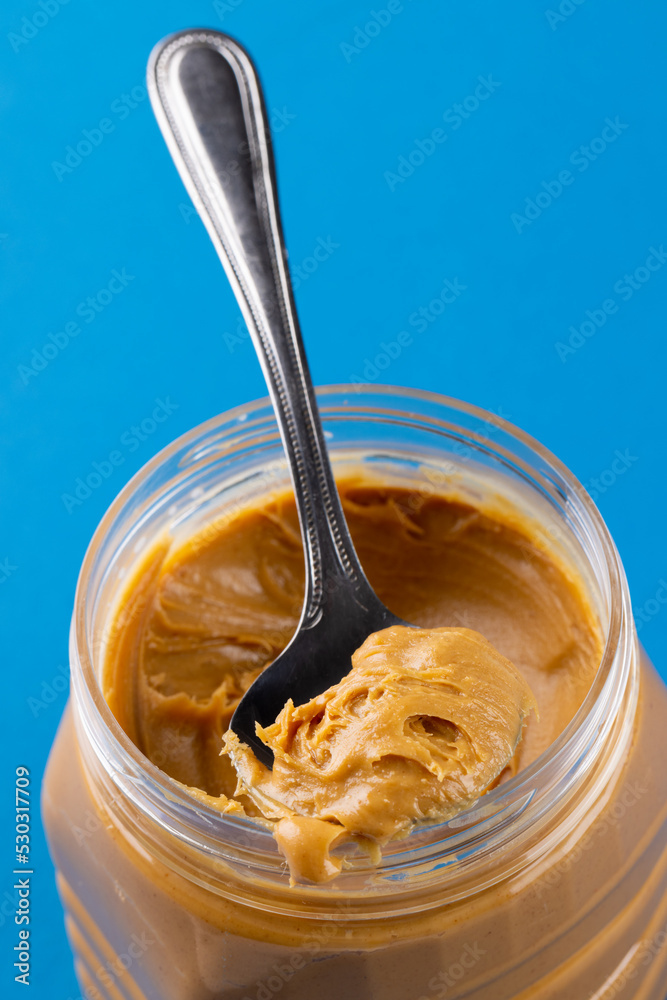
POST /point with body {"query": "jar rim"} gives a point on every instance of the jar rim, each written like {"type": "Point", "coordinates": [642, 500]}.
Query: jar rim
{"type": "Point", "coordinates": [513, 794]}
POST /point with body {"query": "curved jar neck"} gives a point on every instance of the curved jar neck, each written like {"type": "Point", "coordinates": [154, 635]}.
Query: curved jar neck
{"type": "Point", "coordinates": [411, 438]}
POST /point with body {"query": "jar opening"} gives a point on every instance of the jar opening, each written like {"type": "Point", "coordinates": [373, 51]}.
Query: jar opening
{"type": "Point", "coordinates": [397, 432]}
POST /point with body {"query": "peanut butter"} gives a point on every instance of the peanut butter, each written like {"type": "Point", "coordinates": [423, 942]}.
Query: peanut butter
{"type": "Point", "coordinates": [571, 905]}
{"type": "Point", "coordinates": [424, 722]}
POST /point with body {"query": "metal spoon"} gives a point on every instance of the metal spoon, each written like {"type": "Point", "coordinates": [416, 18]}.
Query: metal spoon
{"type": "Point", "coordinates": [208, 102]}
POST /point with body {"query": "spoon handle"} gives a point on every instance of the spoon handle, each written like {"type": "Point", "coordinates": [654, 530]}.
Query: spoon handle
{"type": "Point", "coordinates": [208, 102]}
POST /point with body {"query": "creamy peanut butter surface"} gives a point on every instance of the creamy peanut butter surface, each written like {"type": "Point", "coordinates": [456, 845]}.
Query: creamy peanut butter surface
{"type": "Point", "coordinates": [421, 726]}
{"type": "Point", "coordinates": [425, 721]}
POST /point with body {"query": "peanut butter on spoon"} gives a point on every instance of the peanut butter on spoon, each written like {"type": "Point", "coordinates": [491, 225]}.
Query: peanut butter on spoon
{"type": "Point", "coordinates": [422, 725]}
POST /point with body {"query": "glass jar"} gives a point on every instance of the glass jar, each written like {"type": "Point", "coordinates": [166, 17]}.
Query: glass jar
{"type": "Point", "coordinates": [552, 886]}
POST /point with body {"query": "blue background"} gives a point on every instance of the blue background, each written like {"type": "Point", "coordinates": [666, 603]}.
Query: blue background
{"type": "Point", "coordinates": [343, 119]}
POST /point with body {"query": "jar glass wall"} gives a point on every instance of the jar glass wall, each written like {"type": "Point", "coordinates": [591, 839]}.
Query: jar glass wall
{"type": "Point", "coordinates": [499, 892]}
